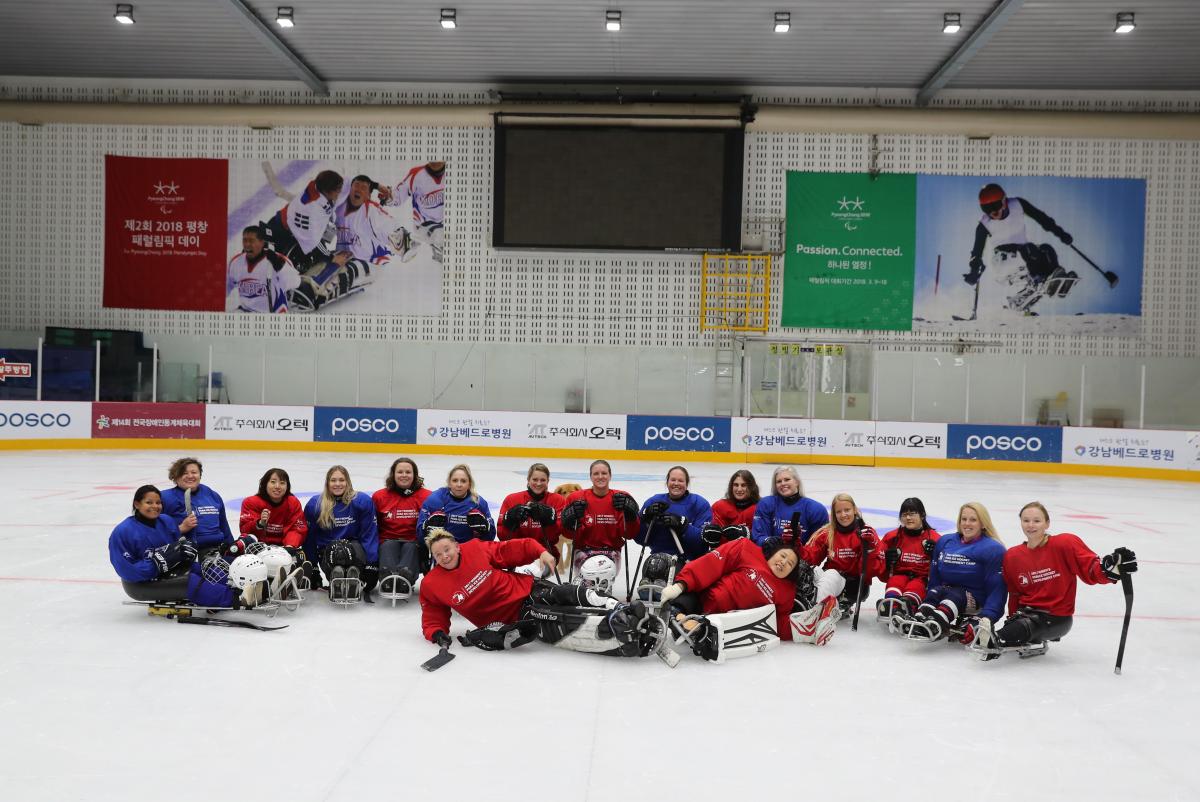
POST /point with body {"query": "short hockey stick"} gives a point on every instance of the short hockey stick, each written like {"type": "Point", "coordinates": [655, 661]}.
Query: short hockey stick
{"type": "Point", "coordinates": [1109, 276]}
{"type": "Point", "coordinates": [440, 659]}
{"type": "Point", "coordinates": [221, 622]}
{"type": "Point", "coordinates": [862, 583]}
{"type": "Point", "coordinates": [1127, 587]}
{"type": "Point", "coordinates": [641, 555]}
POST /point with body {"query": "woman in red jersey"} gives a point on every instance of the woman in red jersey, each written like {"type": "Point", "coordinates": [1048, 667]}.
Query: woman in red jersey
{"type": "Point", "coordinates": [1041, 578]}
{"type": "Point", "coordinates": [907, 550]}
{"type": "Point", "coordinates": [533, 512]}
{"type": "Point", "coordinates": [599, 519]}
{"type": "Point", "coordinates": [274, 515]}
{"type": "Point", "coordinates": [839, 545]}
{"type": "Point", "coordinates": [401, 553]}
{"type": "Point", "coordinates": [733, 515]}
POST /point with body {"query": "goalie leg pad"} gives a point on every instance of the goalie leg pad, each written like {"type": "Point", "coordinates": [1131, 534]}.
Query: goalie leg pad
{"type": "Point", "coordinates": [498, 637]}
{"type": "Point", "coordinates": [742, 633]}
{"type": "Point", "coordinates": [817, 624]}
{"type": "Point", "coordinates": [576, 629]}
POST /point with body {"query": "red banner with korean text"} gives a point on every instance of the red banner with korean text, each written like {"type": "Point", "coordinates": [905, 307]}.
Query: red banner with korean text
{"type": "Point", "coordinates": [167, 421]}
{"type": "Point", "coordinates": [164, 233]}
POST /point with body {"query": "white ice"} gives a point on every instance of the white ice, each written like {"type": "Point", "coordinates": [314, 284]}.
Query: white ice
{"type": "Point", "coordinates": [102, 702]}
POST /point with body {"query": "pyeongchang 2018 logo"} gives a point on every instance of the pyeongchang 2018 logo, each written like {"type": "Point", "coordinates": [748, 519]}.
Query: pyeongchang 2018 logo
{"type": "Point", "coordinates": [1015, 443]}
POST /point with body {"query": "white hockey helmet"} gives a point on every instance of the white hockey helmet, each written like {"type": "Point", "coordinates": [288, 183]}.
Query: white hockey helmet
{"type": "Point", "coordinates": [246, 570]}
{"type": "Point", "coordinates": [598, 571]}
{"type": "Point", "coordinates": [276, 557]}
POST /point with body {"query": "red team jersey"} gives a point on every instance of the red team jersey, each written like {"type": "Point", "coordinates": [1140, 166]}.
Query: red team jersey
{"type": "Point", "coordinates": [479, 589]}
{"type": "Point", "coordinates": [546, 535]}
{"type": "Point", "coordinates": [736, 576]}
{"type": "Point", "coordinates": [396, 514]}
{"type": "Point", "coordinates": [913, 562]}
{"type": "Point", "coordinates": [1044, 578]}
{"type": "Point", "coordinates": [285, 527]}
{"type": "Point", "coordinates": [846, 558]}
{"type": "Point", "coordinates": [725, 513]}
{"type": "Point", "coordinates": [601, 527]}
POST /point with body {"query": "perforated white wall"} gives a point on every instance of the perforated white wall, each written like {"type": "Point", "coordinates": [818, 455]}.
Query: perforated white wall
{"type": "Point", "coordinates": [51, 216]}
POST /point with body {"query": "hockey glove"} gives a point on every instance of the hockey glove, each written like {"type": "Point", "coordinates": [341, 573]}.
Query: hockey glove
{"type": "Point", "coordinates": [477, 522]}
{"type": "Point", "coordinates": [436, 520]}
{"type": "Point", "coordinates": [624, 504]}
{"type": "Point", "coordinates": [1066, 238]}
{"type": "Point", "coordinates": [238, 547]}
{"type": "Point", "coordinates": [867, 537]}
{"type": "Point", "coordinates": [542, 513]}
{"type": "Point", "coordinates": [672, 521]}
{"type": "Point", "coordinates": [928, 546]}
{"type": "Point", "coordinates": [972, 278]}
{"type": "Point", "coordinates": [1121, 561]}
{"type": "Point", "coordinates": [654, 510]}
{"type": "Point", "coordinates": [442, 639]}
{"type": "Point", "coordinates": [672, 592]}
{"type": "Point", "coordinates": [734, 531]}
{"type": "Point", "coordinates": [572, 514]}
{"type": "Point", "coordinates": [795, 527]}
{"type": "Point", "coordinates": [711, 535]}
{"type": "Point", "coordinates": [890, 558]}
{"type": "Point", "coordinates": [978, 633]}
{"type": "Point", "coordinates": [515, 516]}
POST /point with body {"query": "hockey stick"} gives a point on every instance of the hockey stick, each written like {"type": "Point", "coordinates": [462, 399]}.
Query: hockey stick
{"type": "Point", "coordinates": [1127, 587]}
{"type": "Point", "coordinates": [628, 588]}
{"type": "Point", "coordinates": [1109, 276]}
{"type": "Point", "coordinates": [187, 502]}
{"type": "Point", "coordinates": [440, 659]}
{"type": "Point", "coordinates": [221, 622]}
{"type": "Point", "coordinates": [641, 556]}
{"type": "Point", "coordinates": [862, 583]}
{"type": "Point", "coordinates": [276, 186]}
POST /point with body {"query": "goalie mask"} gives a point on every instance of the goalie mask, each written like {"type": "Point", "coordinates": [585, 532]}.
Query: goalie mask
{"type": "Point", "coordinates": [598, 572]}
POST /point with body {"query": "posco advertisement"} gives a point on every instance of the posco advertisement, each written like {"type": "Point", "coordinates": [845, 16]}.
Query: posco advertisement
{"type": "Point", "coordinates": [366, 425]}
{"type": "Point", "coordinates": [1016, 443]}
{"type": "Point", "coordinates": [671, 433]}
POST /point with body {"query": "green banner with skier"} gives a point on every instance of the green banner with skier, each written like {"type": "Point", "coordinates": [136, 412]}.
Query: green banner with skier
{"type": "Point", "coordinates": [990, 253]}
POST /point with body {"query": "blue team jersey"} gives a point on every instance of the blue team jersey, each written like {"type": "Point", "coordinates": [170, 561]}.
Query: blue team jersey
{"type": "Point", "coordinates": [212, 527]}
{"type": "Point", "coordinates": [131, 542]}
{"type": "Point", "coordinates": [353, 521]}
{"type": "Point", "coordinates": [456, 510]}
{"type": "Point", "coordinates": [694, 509]}
{"type": "Point", "coordinates": [975, 567]}
{"type": "Point", "coordinates": [773, 518]}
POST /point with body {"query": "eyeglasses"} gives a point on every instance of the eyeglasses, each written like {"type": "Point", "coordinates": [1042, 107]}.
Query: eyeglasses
{"type": "Point", "coordinates": [908, 513]}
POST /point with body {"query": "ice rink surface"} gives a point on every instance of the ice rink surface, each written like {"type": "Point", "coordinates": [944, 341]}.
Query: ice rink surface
{"type": "Point", "coordinates": [102, 702]}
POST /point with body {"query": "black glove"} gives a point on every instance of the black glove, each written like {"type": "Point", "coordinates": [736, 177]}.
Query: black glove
{"type": "Point", "coordinates": [572, 514]}
{"type": "Point", "coordinates": [515, 516]}
{"type": "Point", "coordinates": [972, 278]}
{"type": "Point", "coordinates": [734, 531]}
{"type": "Point", "coordinates": [1066, 238]}
{"type": "Point", "coordinates": [169, 557]}
{"type": "Point", "coordinates": [928, 546]}
{"type": "Point", "coordinates": [442, 639]}
{"type": "Point", "coordinates": [477, 522]}
{"type": "Point", "coordinates": [654, 510]}
{"type": "Point", "coordinates": [542, 513]}
{"type": "Point", "coordinates": [672, 521]}
{"type": "Point", "coordinates": [1121, 561]}
{"type": "Point", "coordinates": [890, 558]}
{"type": "Point", "coordinates": [436, 520]}
{"type": "Point", "coordinates": [711, 535]}
{"type": "Point", "coordinates": [238, 547]}
{"type": "Point", "coordinates": [624, 504]}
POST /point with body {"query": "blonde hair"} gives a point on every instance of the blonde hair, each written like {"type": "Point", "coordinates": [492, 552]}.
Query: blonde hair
{"type": "Point", "coordinates": [795, 475]}
{"type": "Point", "coordinates": [470, 481]}
{"type": "Point", "coordinates": [567, 488]}
{"type": "Point", "coordinates": [436, 534]}
{"type": "Point", "coordinates": [831, 527]}
{"type": "Point", "coordinates": [325, 516]}
{"type": "Point", "coordinates": [985, 520]}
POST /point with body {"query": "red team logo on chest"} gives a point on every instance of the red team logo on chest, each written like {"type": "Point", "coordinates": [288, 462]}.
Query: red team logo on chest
{"type": "Point", "coordinates": [1023, 580]}
{"type": "Point", "coordinates": [458, 597]}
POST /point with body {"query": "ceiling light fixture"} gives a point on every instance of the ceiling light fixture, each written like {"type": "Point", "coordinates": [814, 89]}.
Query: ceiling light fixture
{"type": "Point", "coordinates": [783, 21]}
{"type": "Point", "coordinates": [1124, 22]}
{"type": "Point", "coordinates": [612, 20]}
{"type": "Point", "coordinates": [951, 22]}
{"type": "Point", "coordinates": [124, 14]}
{"type": "Point", "coordinates": [285, 17]}
{"type": "Point", "coordinates": [449, 18]}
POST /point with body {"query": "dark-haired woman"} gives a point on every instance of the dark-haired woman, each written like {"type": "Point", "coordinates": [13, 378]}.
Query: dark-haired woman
{"type": "Point", "coordinates": [907, 551]}
{"type": "Point", "coordinates": [533, 512]}
{"type": "Point", "coordinates": [397, 505]}
{"type": "Point", "coordinates": [733, 516]}
{"type": "Point", "coordinates": [273, 514]}
{"type": "Point", "coordinates": [148, 552]}
{"type": "Point", "coordinates": [672, 522]}
{"type": "Point", "coordinates": [197, 509]}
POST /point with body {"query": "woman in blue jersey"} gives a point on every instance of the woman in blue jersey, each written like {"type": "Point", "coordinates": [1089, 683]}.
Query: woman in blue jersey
{"type": "Point", "coordinates": [965, 580]}
{"type": "Point", "coordinates": [458, 508]}
{"type": "Point", "coordinates": [148, 553]}
{"type": "Point", "coordinates": [787, 512]}
{"type": "Point", "coordinates": [343, 535]}
{"type": "Point", "coordinates": [672, 521]}
{"type": "Point", "coordinates": [197, 509]}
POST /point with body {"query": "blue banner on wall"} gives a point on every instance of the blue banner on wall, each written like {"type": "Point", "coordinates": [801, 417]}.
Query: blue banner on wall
{"type": "Point", "coordinates": [365, 425]}
{"type": "Point", "coordinates": [1016, 443]}
{"type": "Point", "coordinates": [676, 433]}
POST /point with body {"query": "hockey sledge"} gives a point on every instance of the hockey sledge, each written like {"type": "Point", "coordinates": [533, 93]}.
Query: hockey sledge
{"type": "Point", "coordinates": [395, 588]}
{"type": "Point", "coordinates": [345, 588]}
{"type": "Point", "coordinates": [192, 614]}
